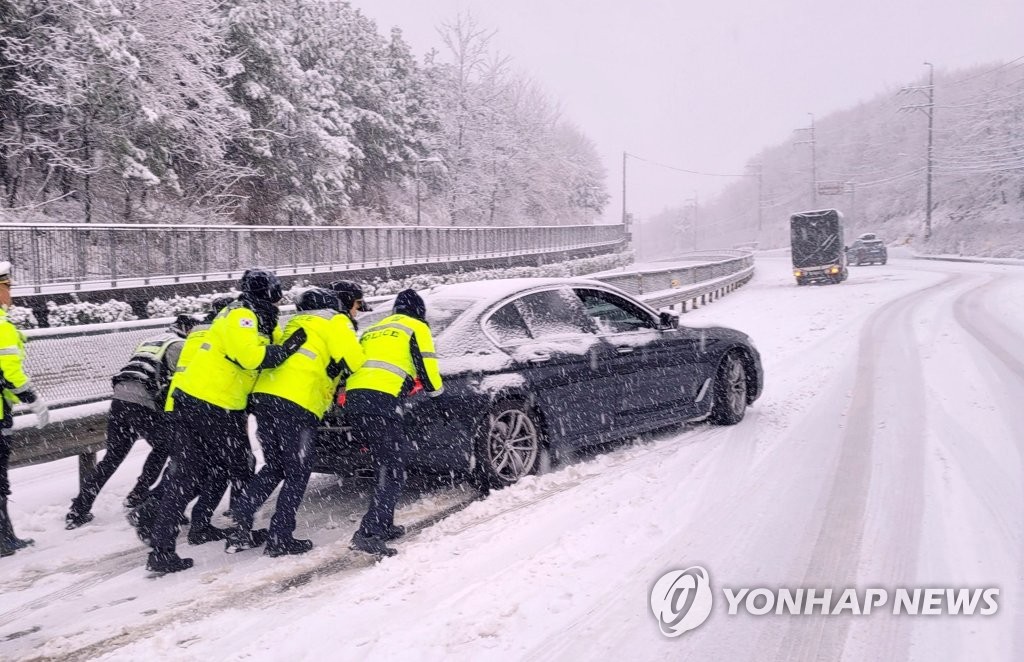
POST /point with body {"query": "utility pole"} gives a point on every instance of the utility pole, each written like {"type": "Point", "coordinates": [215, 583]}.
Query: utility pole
{"type": "Point", "coordinates": [814, 161]}
{"type": "Point", "coordinates": [929, 110]}
{"type": "Point", "coordinates": [758, 169]}
{"type": "Point", "coordinates": [851, 188]}
{"type": "Point", "coordinates": [931, 125]}
{"type": "Point", "coordinates": [624, 218]}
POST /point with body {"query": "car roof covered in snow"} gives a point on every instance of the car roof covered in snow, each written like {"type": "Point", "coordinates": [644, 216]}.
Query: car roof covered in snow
{"type": "Point", "coordinates": [489, 291]}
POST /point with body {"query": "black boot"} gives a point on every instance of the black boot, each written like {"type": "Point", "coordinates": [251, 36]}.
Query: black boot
{"type": "Point", "coordinates": [7, 537]}
{"type": "Point", "coordinates": [241, 538]}
{"type": "Point", "coordinates": [286, 546]}
{"type": "Point", "coordinates": [75, 519]}
{"type": "Point", "coordinates": [200, 535]}
{"type": "Point", "coordinates": [371, 545]}
{"type": "Point", "coordinates": [136, 498]}
{"type": "Point", "coordinates": [394, 532]}
{"type": "Point", "coordinates": [166, 561]}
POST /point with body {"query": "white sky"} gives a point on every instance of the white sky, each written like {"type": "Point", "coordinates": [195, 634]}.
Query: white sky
{"type": "Point", "coordinates": [705, 85]}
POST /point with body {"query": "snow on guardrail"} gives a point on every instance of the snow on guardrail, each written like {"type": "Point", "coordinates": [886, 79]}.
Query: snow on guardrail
{"type": "Point", "coordinates": [73, 365]}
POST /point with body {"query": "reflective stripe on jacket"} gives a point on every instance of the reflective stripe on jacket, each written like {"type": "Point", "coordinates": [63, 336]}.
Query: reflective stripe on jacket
{"type": "Point", "coordinates": [224, 368]}
{"type": "Point", "coordinates": [310, 377]}
{"type": "Point", "coordinates": [399, 349]}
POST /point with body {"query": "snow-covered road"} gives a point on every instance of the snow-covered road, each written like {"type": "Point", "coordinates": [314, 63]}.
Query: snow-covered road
{"type": "Point", "coordinates": [885, 452]}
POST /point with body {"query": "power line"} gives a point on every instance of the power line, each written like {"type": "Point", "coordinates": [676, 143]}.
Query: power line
{"type": "Point", "coordinates": [687, 171]}
{"type": "Point", "coordinates": [896, 178]}
{"type": "Point", "coordinates": [986, 73]}
{"type": "Point", "coordinates": [984, 102]}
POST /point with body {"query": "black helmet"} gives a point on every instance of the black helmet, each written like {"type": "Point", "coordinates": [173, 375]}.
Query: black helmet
{"type": "Point", "coordinates": [183, 325]}
{"type": "Point", "coordinates": [349, 294]}
{"type": "Point", "coordinates": [409, 303]}
{"type": "Point", "coordinates": [317, 298]}
{"type": "Point", "coordinates": [262, 285]}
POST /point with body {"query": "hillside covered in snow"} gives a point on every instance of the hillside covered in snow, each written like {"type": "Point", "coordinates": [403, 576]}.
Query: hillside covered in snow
{"type": "Point", "coordinates": [877, 154]}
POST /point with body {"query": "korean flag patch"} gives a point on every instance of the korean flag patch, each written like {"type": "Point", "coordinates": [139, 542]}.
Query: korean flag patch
{"type": "Point", "coordinates": [246, 323]}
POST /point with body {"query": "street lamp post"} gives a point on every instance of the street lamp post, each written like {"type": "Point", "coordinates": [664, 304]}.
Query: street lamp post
{"type": "Point", "coordinates": [416, 170]}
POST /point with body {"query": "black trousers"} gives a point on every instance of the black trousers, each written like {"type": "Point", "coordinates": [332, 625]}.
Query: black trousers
{"type": "Point", "coordinates": [286, 433]}
{"type": "Point", "coordinates": [126, 423]}
{"type": "Point", "coordinates": [211, 448]}
{"type": "Point", "coordinates": [377, 425]}
{"type": "Point", "coordinates": [5, 457]}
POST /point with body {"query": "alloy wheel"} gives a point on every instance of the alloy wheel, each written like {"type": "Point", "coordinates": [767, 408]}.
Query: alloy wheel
{"type": "Point", "coordinates": [512, 445]}
{"type": "Point", "coordinates": [736, 385]}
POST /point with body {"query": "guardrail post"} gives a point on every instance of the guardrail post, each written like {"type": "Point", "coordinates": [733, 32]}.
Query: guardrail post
{"type": "Point", "coordinates": [113, 259]}
{"type": "Point", "coordinates": [295, 248]}
{"type": "Point", "coordinates": [202, 243]}
{"type": "Point", "coordinates": [174, 253]}
{"type": "Point", "coordinates": [36, 276]}
{"type": "Point", "coordinates": [145, 255]}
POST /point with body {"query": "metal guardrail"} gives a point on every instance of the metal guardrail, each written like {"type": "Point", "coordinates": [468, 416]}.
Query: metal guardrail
{"type": "Point", "coordinates": [65, 257]}
{"type": "Point", "coordinates": [73, 365]}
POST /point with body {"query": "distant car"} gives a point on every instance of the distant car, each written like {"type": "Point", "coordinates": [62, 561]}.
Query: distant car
{"type": "Point", "coordinates": [868, 249]}
{"type": "Point", "coordinates": [536, 365]}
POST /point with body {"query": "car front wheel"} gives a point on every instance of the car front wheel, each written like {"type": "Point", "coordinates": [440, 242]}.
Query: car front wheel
{"type": "Point", "coordinates": [730, 391]}
{"type": "Point", "coordinates": [508, 445]}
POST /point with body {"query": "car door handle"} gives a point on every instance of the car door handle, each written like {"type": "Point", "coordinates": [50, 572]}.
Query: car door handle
{"type": "Point", "coordinates": [625, 349]}
{"type": "Point", "coordinates": [539, 358]}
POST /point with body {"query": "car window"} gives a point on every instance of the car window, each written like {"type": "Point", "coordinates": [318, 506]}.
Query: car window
{"type": "Point", "coordinates": [507, 325]}
{"type": "Point", "coordinates": [613, 314]}
{"type": "Point", "coordinates": [553, 313]}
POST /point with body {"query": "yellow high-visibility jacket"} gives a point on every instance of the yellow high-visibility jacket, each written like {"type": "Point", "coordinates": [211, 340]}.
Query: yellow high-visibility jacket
{"type": "Point", "coordinates": [225, 366]}
{"type": "Point", "coordinates": [399, 349]}
{"type": "Point", "coordinates": [310, 376]}
{"type": "Point", "coordinates": [195, 339]}
{"type": "Point", "coordinates": [12, 372]}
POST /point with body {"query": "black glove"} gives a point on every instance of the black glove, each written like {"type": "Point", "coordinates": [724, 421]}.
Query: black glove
{"type": "Point", "coordinates": [338, 369]}
{"type": "Point", "coordinates": [278, 354]}
{"type": "Point", "coordinates": [295, 341]}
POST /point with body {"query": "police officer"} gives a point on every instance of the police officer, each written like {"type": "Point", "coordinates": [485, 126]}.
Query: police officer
{"type": "Point", "coordinates": [16, 388]}
{"type": "Point", "coordinates": [289, 402]}
{"type": "Point", "coordinates": [143, 516]}
{"type": "Point", "coordinates": [136, 411]}
{"type": "Point", "coordinates": [210, 399]}
{"type": "Point", "coordinates": [399, 351]}
{"type": "Point", "coordinates": [350, 296]}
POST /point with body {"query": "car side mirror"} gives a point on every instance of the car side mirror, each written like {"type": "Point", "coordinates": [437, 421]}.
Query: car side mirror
{"type": "Point", "coordinates": [668, 320]}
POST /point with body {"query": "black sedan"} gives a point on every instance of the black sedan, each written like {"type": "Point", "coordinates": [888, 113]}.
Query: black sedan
{"type": "Point", "coordinates": [535, 366]}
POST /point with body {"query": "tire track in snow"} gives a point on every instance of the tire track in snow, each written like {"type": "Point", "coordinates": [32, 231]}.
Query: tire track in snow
{"type": "Point", "coordinates": [738, 461]}
{"type": "Point", "coordinates": [997, 339]}
{"type": "Point", "coordinates": [347, 562]}
{"type": "Point", "coordinates": [888, 363]}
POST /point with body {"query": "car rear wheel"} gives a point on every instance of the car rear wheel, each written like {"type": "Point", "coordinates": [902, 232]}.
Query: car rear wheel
{"type": "Point", "coordinates": [508, 445]}
{"type": "Point", "coordinates": [730, 391]}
